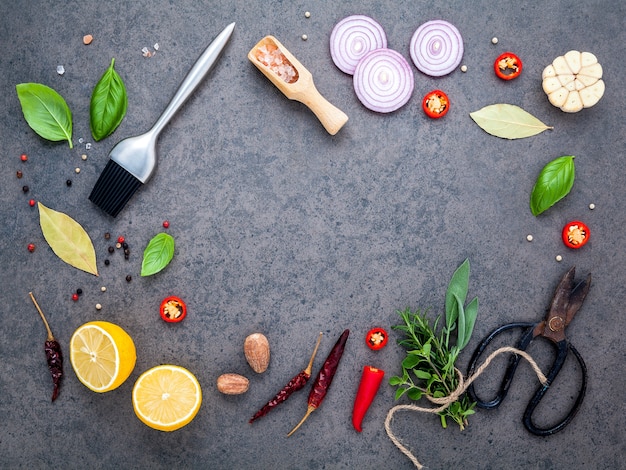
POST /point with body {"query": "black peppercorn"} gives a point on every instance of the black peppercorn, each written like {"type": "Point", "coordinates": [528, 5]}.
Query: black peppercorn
{"type": "Point", "coordinates": [79, 291]}
{"type": "Point", "coordinates": [68, 182]}
{"type": "Point", "coordinates": [129, 278]}
{"type": "Point", "coordinates": [107, 235]}
{"type": "Point", "coordinates": [111, 249]}
{"type": "Point", "coordinates": [106, 262]}
{"type": "Point", "coordinates": [25, 188]}
{"type": "Point", "coordinates": [19, 174]}
{"type": "Point", "coordinates": [125, 245]}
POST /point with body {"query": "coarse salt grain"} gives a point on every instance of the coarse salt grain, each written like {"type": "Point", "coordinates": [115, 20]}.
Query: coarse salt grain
{"type": "Point", "coordinates": [60, 69]}
{"type": "Point", "coordinates": [270, 56]}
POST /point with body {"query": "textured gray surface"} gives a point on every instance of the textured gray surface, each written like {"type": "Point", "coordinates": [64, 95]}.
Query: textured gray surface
{"type": "Point", "coordinates": [283, 229]}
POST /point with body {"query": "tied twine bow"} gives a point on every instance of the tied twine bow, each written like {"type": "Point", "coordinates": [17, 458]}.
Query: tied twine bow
{"type": "Point", "coordinates": [446, 401]}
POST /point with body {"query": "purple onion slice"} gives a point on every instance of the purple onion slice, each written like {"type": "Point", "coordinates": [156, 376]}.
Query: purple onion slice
{"type": "Point", "coordinates": [383, 80]}
{"type": "Point", "coordinates": [436, 48]}
{"type": "Point", "coordinates": [352, 38]}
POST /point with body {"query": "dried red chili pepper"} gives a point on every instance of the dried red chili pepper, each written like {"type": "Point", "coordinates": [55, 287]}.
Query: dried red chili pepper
{"type": "Point", "coordinates": [295, 384]}
{"type": "Point", "coordinates": [507, 66]}
{"type": "Point", "coordinates": [436, 104]}
{"type": "Point", "coordinates": [173, 309]}
{"type": "Point", "coordinates": [376, 338]}
{"type": "Point", "coordinates": [368, 388]}
{"type": "Point", "coordinates": [575, 234]}
{"type": "Point", "coordinates": [324, 378]}
{"type": "Point", "coordinates": [54, 356]}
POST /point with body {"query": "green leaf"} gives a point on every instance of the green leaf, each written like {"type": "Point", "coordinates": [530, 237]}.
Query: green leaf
{"type": "Point", "coordinates": [68, 239]}
{"type": "Point", "coordinates": [458, 286]}
{"type": "Point", "coordinates": [414, 394]}
{"type": "Point", "coordinates": [553, 183]}
{"type": "Point", "coordinates": [45, 111]}
{"type": "Point", "coordinates": [393, 381]}
{"type": "Point", "coordinates": [471, 312]}
{"type": "Point", "coordinates": [410, 361]}
{"type": "Point", "coordinates": [158, 254]}
{"type": "Point", "coordinates": [460, 334]}
{"type": "Point", "coordinates": [426, 349]}
{"type": "Point", "coordinates": [422, 374]}
{"type": "Point", "coordinates": [108, 104]}
{"type": "Point", "coordinates": [508, 121]}
{"type": "Point", "coordinates": [400, 392]}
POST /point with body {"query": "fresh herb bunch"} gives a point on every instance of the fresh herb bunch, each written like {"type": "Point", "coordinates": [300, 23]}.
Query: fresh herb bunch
{"type": "Point", "coordinates": [428, 368]}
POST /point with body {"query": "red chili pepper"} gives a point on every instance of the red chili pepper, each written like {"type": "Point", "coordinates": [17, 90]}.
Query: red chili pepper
{"type": "Point", "coordinates": [376, 338]}
{"type": "Point", "coordinates": [507, 66]}
{"type": "Point", "coordinates": [54, 356]}
{"type": "Point", "coordinates": [368, 388]}
{"type": "Point", "coordinates": [295, 384]}
{"type": "Point", "coordinates": [324, 378]}
{"type": "Point", "coordinates": [436, 104]}
{"type": "Point", "coordinates": [575, 234]}
{"type": "Point", "coordinates": [173, 309]}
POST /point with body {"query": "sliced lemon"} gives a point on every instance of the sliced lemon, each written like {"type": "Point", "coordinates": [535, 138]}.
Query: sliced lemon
{"type": "Point", "coordinates": [167, 397]}
{"type": "Point", "coordinates": [103, 355]}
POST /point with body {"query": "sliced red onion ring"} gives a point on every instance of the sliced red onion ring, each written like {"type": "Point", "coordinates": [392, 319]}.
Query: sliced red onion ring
{"type": "Point", "coordinates": [352, 38]}
{"type": "Point", "coordinates": [436, 48]}
{"type": "Point", "coordinates": [383, 80]}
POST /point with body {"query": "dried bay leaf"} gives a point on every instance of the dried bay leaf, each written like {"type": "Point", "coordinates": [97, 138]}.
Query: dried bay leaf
{"type": "Point", "coordinates": [508, 121]}
{"type": "Point", "coordinates": [68, 239]}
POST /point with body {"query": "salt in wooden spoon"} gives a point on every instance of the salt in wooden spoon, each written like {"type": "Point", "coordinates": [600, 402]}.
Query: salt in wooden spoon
{"type": "Point", "coordinates": [295, 81]}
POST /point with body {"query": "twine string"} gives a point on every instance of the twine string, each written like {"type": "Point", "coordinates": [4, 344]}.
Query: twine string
{"type": "Point", "coordinates": [446, 401]}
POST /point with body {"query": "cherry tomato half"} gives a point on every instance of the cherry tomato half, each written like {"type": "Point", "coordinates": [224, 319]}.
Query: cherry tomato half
{"type": "Point", "coordinates": [376, 338]}
{"type": "Point", "coordinates": [436, 104]}
{"type": "Point", "coordinates": [575, 234]}
{"type": "Point", "coordinates": [173, 309]}
{"type": "Point", "coordinates": [508, 66]}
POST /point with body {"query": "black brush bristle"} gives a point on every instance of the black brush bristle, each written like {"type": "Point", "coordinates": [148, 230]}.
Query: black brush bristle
{"type": "Point", "coordinates": [114, 188]}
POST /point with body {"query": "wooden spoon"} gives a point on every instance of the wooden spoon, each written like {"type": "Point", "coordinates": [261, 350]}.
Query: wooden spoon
{"type": "Point", "coordinates": [297, 83]}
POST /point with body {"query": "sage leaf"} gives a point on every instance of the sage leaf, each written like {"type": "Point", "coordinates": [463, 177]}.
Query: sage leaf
{"type": "Point", "coordinates": [68, 239]}
{"type": "Point", "coordinates": [508, 121]}
{"type": "Point", "coordinates": [158, 254]}
{"type": "Point", "coordinates": [458, 286]}
{"type": "Point", "coordinates": [471, 312]}
{"type": "Point", "coordinates": [108, 104]}
{"type": "Point", "coordinates": [460, 335]}
{"type": "Point", "coordinates": [554, 182]}
{"type": "Point", "coordinates": [45, 111]}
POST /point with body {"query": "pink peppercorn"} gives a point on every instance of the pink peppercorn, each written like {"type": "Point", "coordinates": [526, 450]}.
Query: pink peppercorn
{"type": "Point", "coordinates": [74, 297]}
{"type": "Point", "coordinates": [31, 203]}
{"type": "Point", "coordinates": [24, 157]}
{"type": "Point", "coordinates": [166, 224]}
{"type": "Point", "coordinates": [31, 247]}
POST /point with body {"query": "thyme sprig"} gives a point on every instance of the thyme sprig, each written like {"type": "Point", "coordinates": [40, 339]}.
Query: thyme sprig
{"type": "Point", "coordinates": [428, 368]}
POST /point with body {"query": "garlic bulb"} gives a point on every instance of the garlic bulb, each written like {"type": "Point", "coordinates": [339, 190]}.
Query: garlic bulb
{"type": "Point", "coordinates": [573, 81]}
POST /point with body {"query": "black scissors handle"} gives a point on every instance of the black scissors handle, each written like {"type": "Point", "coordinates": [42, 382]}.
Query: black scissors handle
{"type": "Point", "coordinates": [562, 350]}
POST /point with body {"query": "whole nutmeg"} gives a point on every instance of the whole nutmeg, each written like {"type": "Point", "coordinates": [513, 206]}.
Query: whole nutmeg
{"type": "Point", "coordinates": [232, 384]}
{"type": "Point", "coordinates": [256, 348]}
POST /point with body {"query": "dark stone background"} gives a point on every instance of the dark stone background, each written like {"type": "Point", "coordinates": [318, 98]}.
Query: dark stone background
{"type": "Point", "coordinates": [283, 229]}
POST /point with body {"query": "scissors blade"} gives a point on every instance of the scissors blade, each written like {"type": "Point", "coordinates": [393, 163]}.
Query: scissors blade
{"type": "Point", "coordinates": [567, 300]}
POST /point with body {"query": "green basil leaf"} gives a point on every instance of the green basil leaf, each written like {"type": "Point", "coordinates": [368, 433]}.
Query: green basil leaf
{"type": "Point", "coordinates": [458, 286]}
{"type": "Point", "coordinates": [45, 111]}
{"type": "Point", "coordinates": [108, 104]}
{"type": "Point", "coordinates": [508, 121]}
{"type": "Point", "coordinates": [554, 183]}
{"type": "Point", "coordinates": [158, 254]}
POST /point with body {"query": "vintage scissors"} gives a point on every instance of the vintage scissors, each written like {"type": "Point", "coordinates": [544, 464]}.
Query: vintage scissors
{"type": "Point", "coordinates": [567, 300]}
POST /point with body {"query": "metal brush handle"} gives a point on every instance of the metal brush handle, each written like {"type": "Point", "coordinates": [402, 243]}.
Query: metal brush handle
{"type": "Point", "coordinates": [202, 66]}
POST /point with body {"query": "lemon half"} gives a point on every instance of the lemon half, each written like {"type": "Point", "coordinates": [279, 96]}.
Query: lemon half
{"type": "Point", "coordinates": [103, 355]}
{"type": "Point", "coordinates": [167, 397]}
